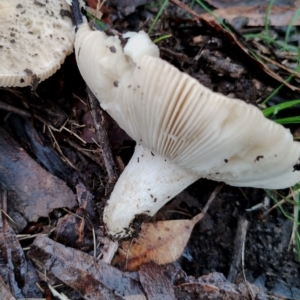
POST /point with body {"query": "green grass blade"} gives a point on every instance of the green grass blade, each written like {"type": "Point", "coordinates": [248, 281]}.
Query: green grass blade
{"type": "Point", "coordinates": [162, 8]}
{"type": "Point", "coordinates": [161, 38]}
{"type": "Point", "coordinates": [297, 242]}
{"type": "Point", "coordinates": [295, 232]}
{"type": "Point", "coordinates": [291, 24]}
{"type": "Point", "coordinates": [267, 17]}
{"type": "Point", "coordinates": [290, 120]}
{"type": "Point", "coordinates": [273, 110]}
{"type": "Point", "coordinates": [208, 10]}
{"type": "Point", "coordinates": [286, 214]}
{"type": "Point", "coordinates": [99, 23]}
{"type": "Point", "coordinates": [276, 91]}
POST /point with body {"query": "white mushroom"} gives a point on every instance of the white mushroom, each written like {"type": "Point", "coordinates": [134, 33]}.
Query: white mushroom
{"type": "Point", "coordinates": [182, 129]}
{"type": "Point", "coordinates": [34, 40]}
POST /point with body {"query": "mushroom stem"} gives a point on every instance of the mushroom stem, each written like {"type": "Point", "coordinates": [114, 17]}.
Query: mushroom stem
{"type": "Point", "coordinates": [148, 182]}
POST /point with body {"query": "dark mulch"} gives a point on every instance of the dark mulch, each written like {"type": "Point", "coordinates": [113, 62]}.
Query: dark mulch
{"type": "Point", "coordinates": [207, 56]}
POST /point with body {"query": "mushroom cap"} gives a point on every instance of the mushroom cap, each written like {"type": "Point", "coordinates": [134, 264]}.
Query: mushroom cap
{"type": "Point", "coordinates": [139, 45]}
{"type": "Point", "coordinates": [176, 117]}
{"type": "Point", "coordinates": [34, 40]}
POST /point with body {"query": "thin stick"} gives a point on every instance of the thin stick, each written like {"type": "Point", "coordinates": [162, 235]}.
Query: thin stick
{"type": "Point", "coordinates": [239, 240]}
{"type": "Point", "coordinates": [76, 14]}
{"type": "Point", "coordinates": [15, 110]}
{"type": "Point", "coordinates": [103, 141]}
{"type": "Point", "coordinates": [244, 274]}
{"type": "Point", "coordinates": [186, 8]}
{"type": "Point", "coordinates": [213, 195]}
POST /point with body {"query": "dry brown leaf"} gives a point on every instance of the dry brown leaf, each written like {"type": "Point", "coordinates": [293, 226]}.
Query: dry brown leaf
{"type": "Point", "coordinates": [5, 293]}
{"type": "Point", "coordinates": [215, 286]}
{"type": "Point", "coordinates": [91, 278]}
{"type": "Point", "coordinates": [17, 273]}
{"type": "Point", "coordinates": [226, 3]}
{"type": "Point", "coordinates": [161, 242]}
{"type": "Point", "coordinates": [278, 15]}
{"type": "Point", "coordinates": [231, 38]}
{"type": "Point", "coordinates": [156, 283]}
{"type": "Point", "coordinates": [263, 66]}
{"type": "Point", "coordinates": [33, 192]}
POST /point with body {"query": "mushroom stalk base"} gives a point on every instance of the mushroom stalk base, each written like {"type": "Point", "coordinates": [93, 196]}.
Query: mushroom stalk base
{"type": "Point", "coordinates": [148, 182]}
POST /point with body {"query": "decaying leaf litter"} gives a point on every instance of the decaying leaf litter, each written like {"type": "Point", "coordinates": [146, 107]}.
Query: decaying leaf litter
{"type": "Point", "coordinates": [222, 70]}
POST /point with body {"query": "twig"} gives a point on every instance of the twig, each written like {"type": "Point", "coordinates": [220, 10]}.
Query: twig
{"type": "Point", "coordinates": [98, 117]}
{"type": "Point", "coordinates": [76, 14]}
{"type": "Point", "coordinates": [244, 275]}
{"type": "Point", "coordinates": [56, 146]}
{"type": "Point", "coordinates": [282, 201]}
{"type": "Point", "coordinates": [213, 195]}
{"type": "Point", "coordinates": [238, 248]}
{"type": "Point", "coordinates": [94, 242]}
{"type": "Point", "coordinates": [186, 8]}
{"type": "Point", "coordinates": [15, 110]}
{"type": "Point", "coordinates": [87, 152]}
{"type": "Point", "coordinates": [281, 66]}
{"type": "Point", "coordinates": [63, 127]}
{"type": "Point", "coordinates": [103, 141]}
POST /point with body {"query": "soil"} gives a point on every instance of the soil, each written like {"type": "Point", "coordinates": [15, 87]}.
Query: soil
{"type": "Point", "coordinates": [268, 261]}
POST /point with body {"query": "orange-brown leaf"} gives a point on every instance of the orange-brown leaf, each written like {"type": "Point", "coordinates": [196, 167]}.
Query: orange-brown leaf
{"type": "Point", "coordinates": [161, 242]}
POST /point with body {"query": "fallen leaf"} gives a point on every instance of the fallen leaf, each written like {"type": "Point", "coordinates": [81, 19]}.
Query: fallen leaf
{"type": "Point", "coordinates": [15, 271]}
{"type": "Point", "coordinates": [231, 39]}
{"type": "Point", "coordinates": [76, 229]}
{"type": "Point", "coordinates": [86, 201]}
{"type": "Point", "coordinates": [37, 144]}
{"type": "Point", "coordinates": [73, 230]}
{"type": "Point", "coordinates": [256, 15]}
{"type": "Point", "coordinates": [4, 291]}
{"type": "Point", "coordinates": [161, 242]}
{"type": "Point", "coordinates": [226, 3]}
{"type": "Point", "coordinates": [155, 282]}
{"type": "Point", "coordinates": [127, 6]}
{"type": "Point", "coordinates": [91, 278]}
{"type": "Point", "coordinates": [33, 192]}
{"type": "Point", "coordinates": [212, 286]}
